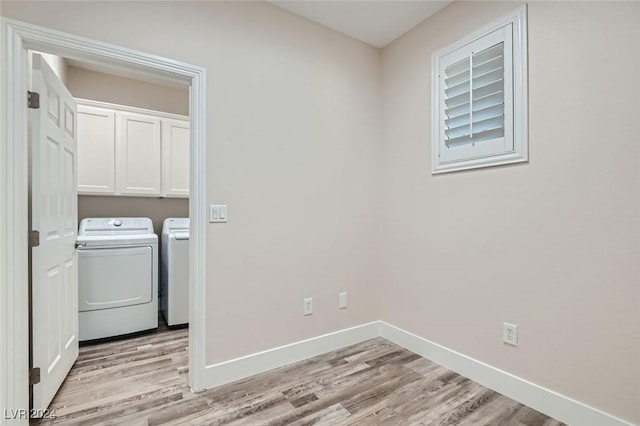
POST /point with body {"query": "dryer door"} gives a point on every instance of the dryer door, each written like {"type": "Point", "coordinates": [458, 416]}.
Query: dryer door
{"type": "Point", "coordinates": [114, 277]}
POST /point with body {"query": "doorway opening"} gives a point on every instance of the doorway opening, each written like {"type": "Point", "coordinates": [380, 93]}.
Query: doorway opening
{"type": "Point", "coordinates": [132, 166]}
{"type": "Point", "coordinates": [18, 39]}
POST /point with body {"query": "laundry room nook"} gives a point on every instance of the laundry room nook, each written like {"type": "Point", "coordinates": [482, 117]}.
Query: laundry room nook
{"type": "Point", "coordinates": [133, 174]}
{"type": "Point", "coordinates": [132, 135]}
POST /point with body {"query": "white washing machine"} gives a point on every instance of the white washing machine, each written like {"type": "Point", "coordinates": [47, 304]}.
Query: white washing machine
{"type": "Point", "coordinates": [117, 277]}
{"type": "Point", "coordinates": [174, 278]}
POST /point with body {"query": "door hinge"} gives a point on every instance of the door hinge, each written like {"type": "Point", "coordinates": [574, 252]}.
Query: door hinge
{"type": "Point", "coordinates": [34, 238]}
{"type": "Point", "coordinates": [33, 100]}
{"type": "Point", "coordinates": [34, 376]}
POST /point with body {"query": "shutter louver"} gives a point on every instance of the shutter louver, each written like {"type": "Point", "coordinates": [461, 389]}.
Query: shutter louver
{"type": "Point", "coordinates": [474, 97]}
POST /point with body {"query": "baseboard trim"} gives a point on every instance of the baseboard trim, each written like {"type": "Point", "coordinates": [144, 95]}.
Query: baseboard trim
{"type": "Point", "coordinates": [546, 401]}
{"type": "Point", "coordinates": [239, 368]}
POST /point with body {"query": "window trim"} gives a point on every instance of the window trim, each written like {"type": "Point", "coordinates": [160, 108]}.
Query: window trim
{"type": "Point", "coordinates": [518, 19]}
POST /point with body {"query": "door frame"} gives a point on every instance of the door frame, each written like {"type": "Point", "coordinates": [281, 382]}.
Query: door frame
{"type": "Point", "coordinates": [16, 38]}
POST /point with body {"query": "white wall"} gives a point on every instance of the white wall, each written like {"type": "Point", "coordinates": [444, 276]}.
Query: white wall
{"type": "Point", "coordinates": [552, 245]}
{"type": "Point", "coordinates": [293, 149]}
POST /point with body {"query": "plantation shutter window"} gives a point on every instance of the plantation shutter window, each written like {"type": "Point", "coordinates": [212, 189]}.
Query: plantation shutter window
{"type": "Point", "coordinates": [474, 97]}
{"type": "Point", "coordinates": [478, 100]}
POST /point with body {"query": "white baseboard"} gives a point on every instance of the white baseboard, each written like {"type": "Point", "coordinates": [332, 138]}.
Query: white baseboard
{"type": "Point", "coordinates": [546, 401]}
{"type": "Point", "coordinates": [239, 368]}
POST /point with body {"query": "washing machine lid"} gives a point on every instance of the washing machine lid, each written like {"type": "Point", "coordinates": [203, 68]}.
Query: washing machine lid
{"type": "Point", "coordinates": [117, 231]}
{"type": "Point", "coordinates": [178, 226]}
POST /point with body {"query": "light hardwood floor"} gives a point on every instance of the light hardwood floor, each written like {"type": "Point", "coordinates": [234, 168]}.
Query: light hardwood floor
{"type": "Point", "coordinates": [142, 381]}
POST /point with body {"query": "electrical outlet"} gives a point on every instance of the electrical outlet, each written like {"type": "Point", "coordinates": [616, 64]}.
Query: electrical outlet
{"type": "Point", "coordinates": [510, 334]}
{"type": "Point", "coordinates": [342, 300]}
{"type": "Point", "coordinates": [307, 307]}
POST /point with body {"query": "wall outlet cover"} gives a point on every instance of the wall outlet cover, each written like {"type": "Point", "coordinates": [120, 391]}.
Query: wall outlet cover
{"type": "Point", "coordinates": [307, 306]}
{"type": "Point", "coordinates": [510, 334]}
{"type": "Point", "coordinates": [342, 300]}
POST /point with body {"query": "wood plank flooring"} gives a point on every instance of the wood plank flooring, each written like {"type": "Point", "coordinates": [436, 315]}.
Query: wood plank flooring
{"type": "Point", "coordinates": [143, 381]}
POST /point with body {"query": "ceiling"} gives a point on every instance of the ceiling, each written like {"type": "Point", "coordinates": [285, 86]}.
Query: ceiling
{"type": "Point", "coordinates": [376, 22]}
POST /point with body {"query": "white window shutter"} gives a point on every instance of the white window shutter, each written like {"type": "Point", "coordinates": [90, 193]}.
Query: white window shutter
{"type": "Point", "coordinates": [487, 100]}
{"type": "Point", "coordinates": [474, 95]}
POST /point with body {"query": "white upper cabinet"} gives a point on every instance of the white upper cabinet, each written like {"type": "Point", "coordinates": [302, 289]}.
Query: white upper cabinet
{"type": "Point", "coordinates": [131, 152]}
{"type": "Point", "coordinates": [96, 150]}
{"type": "Point", "coordinates": [139, 156]}
{"type": "Point", "coordinates": [175, 158]}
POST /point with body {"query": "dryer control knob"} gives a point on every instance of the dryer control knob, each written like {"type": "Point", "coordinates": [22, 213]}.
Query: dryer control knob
{"type": "Point", "coordinates": [117, 222]}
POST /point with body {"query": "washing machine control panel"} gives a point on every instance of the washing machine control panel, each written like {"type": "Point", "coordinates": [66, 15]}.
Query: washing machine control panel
{"type": "Point", "coordinates": [119, 225]}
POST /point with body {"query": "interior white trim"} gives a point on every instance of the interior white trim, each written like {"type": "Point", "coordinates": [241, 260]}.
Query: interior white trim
{"type": "Point", "coordinates": [239, 368]}
{"type": "Point", "coordinates": [546, 401]}
{"type": "Point", "coordinates": [16, 38]}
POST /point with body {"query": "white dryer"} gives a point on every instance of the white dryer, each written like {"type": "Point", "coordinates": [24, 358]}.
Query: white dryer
{"type": "Point", "coordinates": [117, 277]}
{"type": "Point", "coordinates": [174, 278]}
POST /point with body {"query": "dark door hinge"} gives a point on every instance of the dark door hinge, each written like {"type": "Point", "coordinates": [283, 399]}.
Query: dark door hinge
{"type": "Point", "coordinates": [34, 238]}
{"type": "Point", "coordinates": [33, 100]}
{"type": "Point", "coordinates": [34, 376]}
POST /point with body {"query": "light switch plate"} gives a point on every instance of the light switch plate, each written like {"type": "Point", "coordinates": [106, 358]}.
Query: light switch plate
{"type": "Point", "coordinates": [218, 213]}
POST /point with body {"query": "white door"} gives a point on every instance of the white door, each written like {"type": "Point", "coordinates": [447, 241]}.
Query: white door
{"type": "Point", "coordinates": [54, 215]}
{"type": "Point", "coordinates": [175, 158]}
{"type": "Point", "coordinates": [138, 150]}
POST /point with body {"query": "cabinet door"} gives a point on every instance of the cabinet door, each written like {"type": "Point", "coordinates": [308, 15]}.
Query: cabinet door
{"type": "Point", "coordinates": [96, 150]}
{"type": "Point", "coordinates": [138, 149]}
{"type": "Point", "coordinates": [175, 158]}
